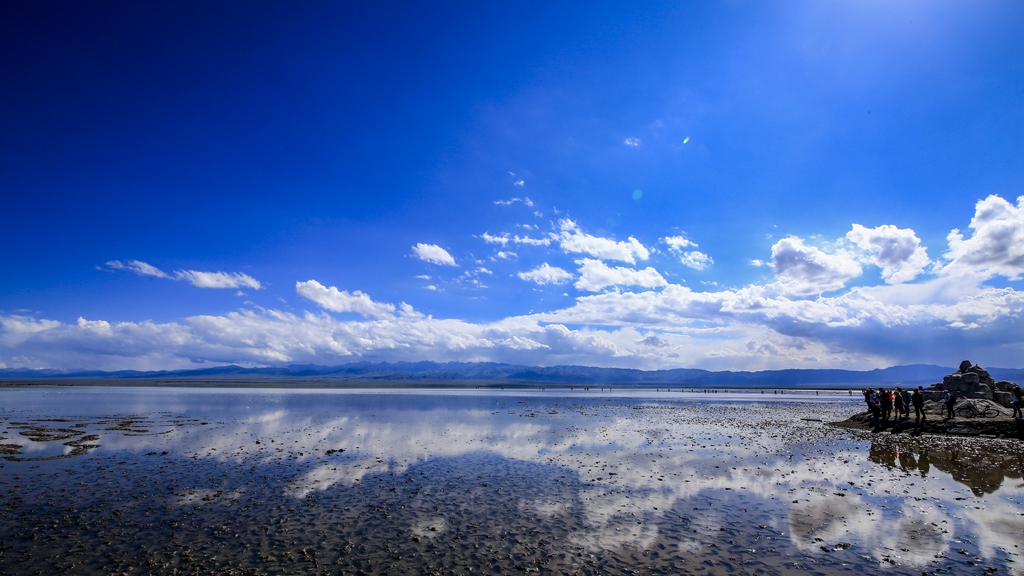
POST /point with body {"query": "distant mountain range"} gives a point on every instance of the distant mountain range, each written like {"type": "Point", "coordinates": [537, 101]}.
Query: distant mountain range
{"type": "Point", "coordinates": [490, 373]}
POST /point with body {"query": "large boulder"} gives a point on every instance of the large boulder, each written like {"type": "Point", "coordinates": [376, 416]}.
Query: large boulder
{"type": "Point", "coordinates": [972, 381]}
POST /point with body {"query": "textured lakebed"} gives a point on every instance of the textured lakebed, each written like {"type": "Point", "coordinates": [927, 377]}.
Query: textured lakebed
{"type": "Point", "coordinates": [141, 481]}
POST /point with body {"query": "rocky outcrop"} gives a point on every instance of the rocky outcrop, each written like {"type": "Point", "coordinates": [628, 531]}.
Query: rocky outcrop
{"type": "Point", "coordinates": [972, 381]}
{"type": "Point", "coordinates": [1000, 426]}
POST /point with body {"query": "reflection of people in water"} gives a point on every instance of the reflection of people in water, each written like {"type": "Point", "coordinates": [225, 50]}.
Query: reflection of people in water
{"type": "Point", "coordinates": [982, 471]}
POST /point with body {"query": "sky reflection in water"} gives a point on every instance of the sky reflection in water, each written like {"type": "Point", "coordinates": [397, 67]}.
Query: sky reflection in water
{"type": "Point", "coordinates": [553, 480]}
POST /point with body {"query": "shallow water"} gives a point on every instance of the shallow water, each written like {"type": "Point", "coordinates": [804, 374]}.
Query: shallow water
{"type": "Point", "coordinates": [157, 480]}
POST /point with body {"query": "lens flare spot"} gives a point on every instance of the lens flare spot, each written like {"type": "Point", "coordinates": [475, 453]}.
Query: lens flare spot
{"type": "Point", "coordinates": [686, 140]}
{"type": "Point", "coordinates": [638, 194]}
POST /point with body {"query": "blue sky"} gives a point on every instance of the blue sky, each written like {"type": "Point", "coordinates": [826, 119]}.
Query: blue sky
{"type": "Point", "coordinates": [738, 185]}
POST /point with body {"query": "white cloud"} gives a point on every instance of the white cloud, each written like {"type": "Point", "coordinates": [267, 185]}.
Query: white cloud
{"type": "Point", "coordinates": [572, 239]}
{"type": "Point", "coordinates": [757, 262]}
{"type": "Point", "coordinates": [423, 277]}
{"type": "Point", "coordinates": [532, 241]}
{"type": "Point", "coordinates": [195, 277]}
{"type": "Point", "coordinates": [788, 322]}
{"type": "Point", "coordinates": [140, 268]}
{"type": "Point", "coordinates": [691, 258]}
{"type": "Point", "coordinates": [678, 243]}
{"type": "Point", "coordinates": [503, 255]}
{"type": "Point", "coordinates": [434, 254]}
{"type": "Point", "coordinates": [996, 245]}
{"type": "Point", "coordinates": [342, 301]}
{"type": "Point", "coordinates": [696, 260]}
{"type": "Point", "coordinates": [218, 279]}
{"type": "Point", "coordinates": [634, 142]}
{"type": "Point", "coordinates": [596, 276]}
{"type": "Point", "coordinates": [898, 252]}
{"type": "Point", "coordinates": [546, 274]}
{"type": "Point", "coordinates": [512, 201]}
{"type": "Point", "coordinates": [490, 239]}
{"type": "Point", "coordinates": [522, 183]}
{"type": "Point", "coordinates": [808, 270]}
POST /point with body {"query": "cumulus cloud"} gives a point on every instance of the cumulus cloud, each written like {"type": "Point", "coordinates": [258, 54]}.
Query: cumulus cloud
{"type": "Point", "coordinates": [678, 244]}
{"type": "Point", "coordinates": [195, 277]}
{"type": "Point", "coordinates": [573, 240]}
{"type": "Point", "coordinates": [799, 318]}
{"type": "Point", "coordinates": [696, 260]}
{"type": "Point", "coordinates": [434, 254]}
{"type": "Point", "coordinates": [546, 274]}
{"type": "Point", "coordinates": [596, 276]}
{"type": "Point", "coordinates": [691, 258]}
{"type": "Point", "coordinates": [809, 270]}
{"type": "Point", "coordinates": [501, 239]}
{"type": "Point", "coordinates": [898, 252]}
{"type": "Point", "coordinates": [634, 142]}
{"type": "Point", "coordinates": [343, 301]}
{"type": "Point", "coordinates": [996, 245]}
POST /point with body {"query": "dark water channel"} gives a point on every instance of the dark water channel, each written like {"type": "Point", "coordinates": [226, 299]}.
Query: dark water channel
{"type": "Point", "coordinates": [197, 481]}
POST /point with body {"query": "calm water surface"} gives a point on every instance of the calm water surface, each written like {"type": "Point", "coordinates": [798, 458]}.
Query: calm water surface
{"type": "Point", "coordinates": [243, 481]}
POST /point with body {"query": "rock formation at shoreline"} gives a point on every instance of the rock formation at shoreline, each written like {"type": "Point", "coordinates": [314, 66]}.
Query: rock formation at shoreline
{"type": "Point", "coordinates": [972, 381]}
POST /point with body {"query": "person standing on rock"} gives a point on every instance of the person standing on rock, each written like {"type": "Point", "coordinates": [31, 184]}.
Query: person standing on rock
{"type": "Point", "coordinates": [897, 402]}
{"type": "Point", "coordinates": [950, 401]}
{"type": "Point", "coordinates": [875, 409]}
{"type": "Point", "coordinates": [1017, 400]}
{"type": "Point", "coordinates": [885, 400]}
{"type": "Point", "coordinates": [867, 397]}
{"type": "Point", "coordinates": [918, 401]}
{"type": "Point", "coordinates": [906, 404]}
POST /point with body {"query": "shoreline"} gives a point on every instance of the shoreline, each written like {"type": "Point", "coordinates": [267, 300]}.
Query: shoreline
{"type": "Point", "coordinates": [313, 383]}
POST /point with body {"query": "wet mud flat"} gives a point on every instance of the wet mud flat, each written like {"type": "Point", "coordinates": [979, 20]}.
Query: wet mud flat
{"type": "Point", "coordinates": [504, 484]}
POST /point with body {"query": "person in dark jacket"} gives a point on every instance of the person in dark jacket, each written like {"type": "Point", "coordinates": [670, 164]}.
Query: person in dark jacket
{"type": "Point", "coordinates": [885, 403]}
{"type": "Point", "coordinates": [875, 409]}
{"type": "Point", "coordinates": [1017, 401]}
{"type": "Point", "coordinates": [950, 401]}
{"type": "Point", "coordinates": [917, 399]}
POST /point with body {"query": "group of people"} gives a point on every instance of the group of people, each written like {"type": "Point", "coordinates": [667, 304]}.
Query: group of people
{"type": "Point", "coordinates": [884, 404]}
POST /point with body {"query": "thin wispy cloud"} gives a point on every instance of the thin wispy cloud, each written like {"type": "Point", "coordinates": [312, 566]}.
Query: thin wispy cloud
{"type": "Point", "coordinates": [197, 278]}
{"type": "Point", "coordinates": [526, 201]}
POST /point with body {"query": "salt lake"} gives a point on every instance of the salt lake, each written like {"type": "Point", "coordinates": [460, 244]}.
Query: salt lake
{"type": "Point", "coordinates": [143, 480]}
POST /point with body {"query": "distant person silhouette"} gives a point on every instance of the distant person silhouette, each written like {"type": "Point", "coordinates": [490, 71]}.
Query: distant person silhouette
{"type": "Point", "coordinates": [917, 399]}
